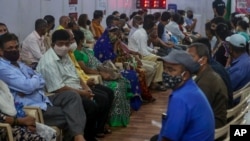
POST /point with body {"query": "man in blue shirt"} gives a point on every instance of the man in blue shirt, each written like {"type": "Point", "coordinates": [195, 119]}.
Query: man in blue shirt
{"type": "Point", "coordinates": [189, 116]}
{"type": "Point", "coordinates": [239, 69]}
{"type": "Point", "coordinates": [63, 110]}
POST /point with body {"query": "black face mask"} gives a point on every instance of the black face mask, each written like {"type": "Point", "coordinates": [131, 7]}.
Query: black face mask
{"type": "Point", "coordinates": [12, 56]}
{"type": "Point", "coordinates": [88, 22]}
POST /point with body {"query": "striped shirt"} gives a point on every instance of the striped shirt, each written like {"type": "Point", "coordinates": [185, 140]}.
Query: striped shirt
{"type": "Point", "coordinates": [58, 72]}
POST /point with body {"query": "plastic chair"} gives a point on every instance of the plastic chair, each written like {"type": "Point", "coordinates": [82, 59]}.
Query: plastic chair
{"type": "Point", "coordinates": [37, 113]}
{"type": "Point", "coordinates": [239, 119]}
{"type": "Point", "coordinates": [6, 127]}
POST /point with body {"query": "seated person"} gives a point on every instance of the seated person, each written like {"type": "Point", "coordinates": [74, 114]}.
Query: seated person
{"type": "Point", "coordinates": [23, 128]}
{"type": "Point", "coordinates": [188, 116]}
{"type": "Point", "coordinates": [138, 43]}
{"type": "Point", "coordinates": [218, 68]}
{"type": "Point", "coordinates": [3, 29]}
{"type": "Point", "coordinates": [84, 24]}
{"type": "Point", "coordinates": [190, 21]}
{"type": "Point", "coordinates": [33, 45]}
{"type": "Point", "coordinates": [173, 27]}
{"type": "Point", "coordinates": [91, 65]}
{"type": "Point", "coordinates": [215, 92]}
{"type": "Point", "coordinates": [239, 68]}
{"type": "Point", "coordinates": [63, 109]}
{"type": "Point", "coordinates": [62, 76]}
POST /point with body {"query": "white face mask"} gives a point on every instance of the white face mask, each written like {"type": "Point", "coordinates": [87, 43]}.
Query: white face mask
{"type": "Point", "coordinates": [199, 61]}
{"type": "Point", "coordinates": [61, 51]}
{"type": "Point", "coordinates": [73, 46]}
{"type": "Point", "coordinates": [140, 26]}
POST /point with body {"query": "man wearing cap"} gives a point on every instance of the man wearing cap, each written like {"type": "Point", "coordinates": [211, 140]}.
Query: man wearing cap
{"type": "Point", "coordinates": [216, 92]}
{"type": "Point", "coordinates": [189, 116]}
{"type": "Point", "coordinates": [239, 69]}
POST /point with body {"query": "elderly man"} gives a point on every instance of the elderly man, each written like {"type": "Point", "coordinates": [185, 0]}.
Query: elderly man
{"type": "Point", "coordinates": [63, 109]}
{"type": "Point", "coordinates": [33, 46]}
{"type": "Point", "coordinates": [216, 92]}
{"type": "Point", "coordinates": [189, 116]}
{"type": "Point", "coordinates": [63, 22]}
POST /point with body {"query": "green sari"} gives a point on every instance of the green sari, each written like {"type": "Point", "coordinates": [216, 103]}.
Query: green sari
{"type": "Point", "coordinates": [120, 110]}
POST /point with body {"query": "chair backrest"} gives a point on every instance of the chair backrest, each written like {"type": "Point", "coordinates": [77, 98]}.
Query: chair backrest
{"type": "Point", "coordinates": [240, 92]}
{"type": "Point", "coordinates": [238, 108]}
{"type": "Point", "coordinates": [239, 119]}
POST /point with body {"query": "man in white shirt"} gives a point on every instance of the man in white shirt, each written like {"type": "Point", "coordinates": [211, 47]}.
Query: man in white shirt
{"type": "Point", "coordinates": [33, 45]}
{"type": "Point", "coordinates": [138, 43]}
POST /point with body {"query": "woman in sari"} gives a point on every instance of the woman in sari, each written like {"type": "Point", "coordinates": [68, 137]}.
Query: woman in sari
{"type": "Point", "coordinates": [109, 47]}
{"type": "Point", "coordinates": [120, 110]}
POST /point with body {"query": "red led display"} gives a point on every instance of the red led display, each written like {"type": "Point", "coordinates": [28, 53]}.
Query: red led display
{"type": "Point", "coordinates": [151, 4]}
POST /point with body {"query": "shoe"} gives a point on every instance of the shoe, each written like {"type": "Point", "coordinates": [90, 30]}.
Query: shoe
{"type": "Point", "coordinates": [100, 135]}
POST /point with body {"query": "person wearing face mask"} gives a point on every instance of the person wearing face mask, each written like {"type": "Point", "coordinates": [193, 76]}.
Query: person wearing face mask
{"type": "Point", "coordinates": [239, 68]}
{"type": "Point", "coordinates": [84, 24]}
{"type": "Point", "coordinates": [33, 48]}
{"type": "Point", "coordinates": [190, 21]}
{"type": "Point", "coordinates": [139, 43]}
{"type": "Point", "coordinates": [63, 109]}
{"type": "Point", "coordinates": [3, 29]}
{"type": "Point", "coordinates": [51, 24]}
{"type": "Point", "coordinates": [103, 95]}
{"type": "Point", "coordinates": [216, 92]}
{"type": "Point", "coordinates": [61, 75]}
{"type": "Point", "coordinates": [189, 116]}
{"type": "Point", "coordinates": [137, 23]}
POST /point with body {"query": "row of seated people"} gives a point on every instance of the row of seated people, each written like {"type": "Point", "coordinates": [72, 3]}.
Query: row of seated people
{"type": "Point", "coordinates": [69, 80]}
{"type": "Point", "coordinates": [109, 47]}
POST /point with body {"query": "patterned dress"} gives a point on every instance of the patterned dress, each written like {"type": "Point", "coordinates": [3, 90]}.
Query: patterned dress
{"type": "Point", "coordinates": [120, 109]}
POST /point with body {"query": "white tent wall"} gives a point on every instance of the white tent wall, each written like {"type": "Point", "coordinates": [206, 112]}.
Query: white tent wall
{"type": "Point", "coordinates": [202, 9]}
{"type": "Point", "coordinates": [20, 15]}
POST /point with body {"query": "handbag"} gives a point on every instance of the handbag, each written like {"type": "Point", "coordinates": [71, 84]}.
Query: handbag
{"type": "Point", "coordinates": [109, 67]}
